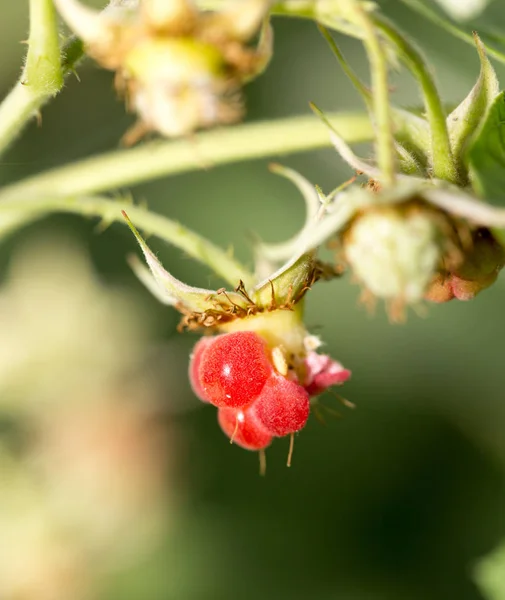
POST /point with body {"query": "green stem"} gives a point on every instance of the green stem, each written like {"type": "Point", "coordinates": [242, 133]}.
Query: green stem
{"type": "Point", "coordinates": [41, 78]}
{"type": "Point", "coordinates": [18, 107]}
{"type": "Point", "coordinates": [330, 15]}
{"type": "Point", "coordinates": [160, 158]}
{"type": "Point", "coordinates": [442, 159]}
{"type": "Point", "coordinates": [15, 213]}
{"type": "Point", "coordinates": [380, 92]}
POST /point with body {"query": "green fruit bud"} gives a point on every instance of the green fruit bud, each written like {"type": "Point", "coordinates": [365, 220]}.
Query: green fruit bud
{"type": "Point", "coordinates": [394, 253]}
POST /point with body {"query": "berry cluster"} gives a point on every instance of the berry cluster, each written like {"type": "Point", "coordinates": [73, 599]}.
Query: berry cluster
{"type": "Point", "coordinates": [237, 373]}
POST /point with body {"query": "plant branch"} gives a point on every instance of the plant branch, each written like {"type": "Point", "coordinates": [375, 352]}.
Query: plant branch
{"type": "Point", "coordinates": [218, 147]}
{"type": "Point", "coordinates": [380, 91]}
{"type": "Point", "coordinates": [442, 159]}
{"type": "Point", "coordinates": [15, 213]}
{"type": "Point", "coordinates": [42, 75]}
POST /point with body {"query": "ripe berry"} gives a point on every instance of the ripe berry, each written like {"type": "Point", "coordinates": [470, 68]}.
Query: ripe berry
{"type": "Point", "coordinates": [243, 427]}
{"type": "Point", "coordinates": [283, 406]}
{"type": "Point", "coordinates": [233, 371]}
{"type": "Point", "coordinates": [194, 364]}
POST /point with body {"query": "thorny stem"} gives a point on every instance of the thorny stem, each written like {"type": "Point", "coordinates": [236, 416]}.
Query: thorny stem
{"type": "Point", "coordinates": [160, 158]}
{"type": "Point", "coordinates": [17, 212]}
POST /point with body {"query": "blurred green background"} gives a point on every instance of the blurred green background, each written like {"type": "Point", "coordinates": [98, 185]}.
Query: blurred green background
{"type": "Point", "coordinates": [396, 500]}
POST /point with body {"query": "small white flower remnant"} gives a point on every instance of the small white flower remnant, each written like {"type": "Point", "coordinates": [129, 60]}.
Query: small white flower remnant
{"type": "Point", "coordinates": [180, 69]}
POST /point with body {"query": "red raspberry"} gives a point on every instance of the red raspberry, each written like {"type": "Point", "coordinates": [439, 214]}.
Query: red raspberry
{"type": "Point", "coordinates": [194, 364]}
{"type": "Point", "coordinates": [233, 371]}
{"type": "Point", "coordinates": [283, 406]}
{"type": "Point", "coordinates": [243, 427]}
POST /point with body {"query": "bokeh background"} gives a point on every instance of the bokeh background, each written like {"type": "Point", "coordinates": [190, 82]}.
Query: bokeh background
{"type": "Point", "coordinates": [398, 499]}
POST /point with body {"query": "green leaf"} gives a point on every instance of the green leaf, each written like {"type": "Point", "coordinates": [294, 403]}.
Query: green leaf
{"type": "Point", "coordinates": [465, 119]}
{"type": "Point", "coordinates": [486, 155]}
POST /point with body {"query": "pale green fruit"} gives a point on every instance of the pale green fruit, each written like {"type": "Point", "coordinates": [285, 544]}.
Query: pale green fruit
{"type": "Point", "coordinates": [394, 253]}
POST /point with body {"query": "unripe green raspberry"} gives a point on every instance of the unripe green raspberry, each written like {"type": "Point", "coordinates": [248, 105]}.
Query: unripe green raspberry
{"type": "Point", "coordinates": [394, 252]}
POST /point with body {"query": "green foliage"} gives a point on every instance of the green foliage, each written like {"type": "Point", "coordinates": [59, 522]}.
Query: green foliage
{"type": "Point", "coordinates": [486, 155]}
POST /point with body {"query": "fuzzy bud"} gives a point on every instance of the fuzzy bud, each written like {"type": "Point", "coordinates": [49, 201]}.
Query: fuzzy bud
{"type": "Point", "coordinates": [394, 253]}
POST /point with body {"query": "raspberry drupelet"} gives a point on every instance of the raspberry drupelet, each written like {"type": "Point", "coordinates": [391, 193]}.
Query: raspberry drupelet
{"type": "Point", "coordinates": [261, 390]}
{"type": "Point", "coordinates": [244, 428]}
{"type": "Point", "coordinates": [234, 368]}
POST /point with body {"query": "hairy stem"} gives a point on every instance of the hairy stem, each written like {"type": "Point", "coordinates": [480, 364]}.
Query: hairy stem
{"type": "Point", "coordinates": [15, 213]}
{"type": "Point", "coordinates": [42, 75]}
{"type": "Point", "coordinates": [160, 158]}
{"type": "Point", "coordinates": [442, 159]}
{"type": "Point", "coordinates": [380, 91]}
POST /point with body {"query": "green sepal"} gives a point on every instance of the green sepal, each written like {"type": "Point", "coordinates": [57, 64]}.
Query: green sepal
{"type": "Point", "coordinates": [174, 292]}
{"type": "Point", "coordinates": [269, 256]}
{"type": "Point", "coordinates": [408, 161]}
{"type": "Point", "coordinates": [466, 118]}
{"type": "Point", "coordinates": [413, 132]}
{"type": "Point", "coordinates": [485, 156]}
{"type": "Point", "coordinates": [286, 286]}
